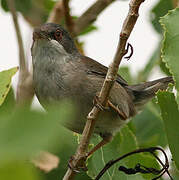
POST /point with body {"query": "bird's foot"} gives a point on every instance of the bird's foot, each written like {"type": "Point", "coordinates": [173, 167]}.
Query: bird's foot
{"type": "Point", "coordinates": [97, 103]}
{"type": "Point", "coordinates": [80, 167]}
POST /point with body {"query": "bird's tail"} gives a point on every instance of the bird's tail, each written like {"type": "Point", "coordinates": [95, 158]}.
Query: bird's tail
{"type": "Point", "coordinates": [143, 92]}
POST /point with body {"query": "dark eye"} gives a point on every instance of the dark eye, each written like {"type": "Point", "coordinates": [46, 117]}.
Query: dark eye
{"type": "Point", "coordinates": [58, 34]}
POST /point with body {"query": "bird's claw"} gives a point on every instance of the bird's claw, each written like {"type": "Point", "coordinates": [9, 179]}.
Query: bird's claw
{"type": "Point", "coordinates": [79, 168]}
{"type": "Point", "coordinates": [98, 104]}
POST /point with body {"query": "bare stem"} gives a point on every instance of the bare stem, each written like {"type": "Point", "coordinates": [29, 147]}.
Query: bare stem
{"type": "Point", "coordinates": [90, 15]}
{"type": "Point", "coordinates": [68, 19]}
{"type": "Point", "coordinates": [12, 9]}
{"type": "Point", "coordinates": [57, 13]}
{"type": "Point", "coordinates": [127, 28]}
{"type": "Point", "coordinates": [25, 90]}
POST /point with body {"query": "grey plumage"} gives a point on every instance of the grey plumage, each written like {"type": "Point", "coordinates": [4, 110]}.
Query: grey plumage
{"type": "Point", "coordinates": [61, 72]}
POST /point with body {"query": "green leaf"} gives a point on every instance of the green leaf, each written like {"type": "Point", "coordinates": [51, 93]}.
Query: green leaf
{"type": "Point", "coordinates": [48, 4]}
{"type": "Point", "coordinates": [170, 53]}
{"type": "Point", "coordinates": [159, 10]}
{"type": "Point", "coordinates": [153, 134]}
{"type": "Point", "coordinates": [122, 143]}
{"type": "Point", "coordinates": [35, 12]}
{"type": "Point", "coordinates": [64, 152]}
{"type": "Point", "coordinates": [89, 29]}
{"type": "Point", "coordinates": [23, 133]}
{"type": "Point", "coordinates": [22, 6]}
{"type": "Point", "coordinates": [170, 114]}
{"type": "Point", "coordinates": [8, 104]}
{"type": "Point", "coordinates": [124, 71]}
{"type": "Point", "coordinates": [17, 170]}
{"type": "Point", "coordinates": [5, 81]}
{"type": "Point", "coordinates": [164, 68]}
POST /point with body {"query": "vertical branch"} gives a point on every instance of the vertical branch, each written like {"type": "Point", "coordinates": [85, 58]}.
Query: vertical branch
{"type": "Point", "coordinates": [68, 19]}
{"type": "Point", "coordinates": [25, 90]}
{"type": "Point", "coordinates": [12, 9]}
{"type": "Point", "coordinates": [127, 28]}
{"type": "Point", "coordinates": [57, 13]}
{"type": "Point", "coordinates": [70, 24]}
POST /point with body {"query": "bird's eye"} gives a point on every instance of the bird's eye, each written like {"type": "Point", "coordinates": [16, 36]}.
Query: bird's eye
{"type": "Point", "coordinates": [58, 35]}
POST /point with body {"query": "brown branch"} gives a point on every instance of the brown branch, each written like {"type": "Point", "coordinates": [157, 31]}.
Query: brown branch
{"type": "Point", "coordinates": [175, 3]}
{"type": "Point", "coordinates": [90, 15]}
{"type": "Point", "coordinates": [68, 19]}
{"type": "Point", "coordinates": [12, 9]}
{"type": "Point", "coordinates": [25, 88]}
{"type": "Point", "coordinates": [127, 28]}
{"type": "Point", "coordinates": [57, 13]}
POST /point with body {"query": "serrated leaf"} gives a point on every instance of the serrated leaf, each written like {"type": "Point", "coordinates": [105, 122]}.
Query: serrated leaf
{"type": "Point", "coordinates": [170, 115]}
{"type": "Point", "coordinates": [170, 53]}
{"type": "Point", "coordinates": [122, 143]}
{"type": "Point", "coordinates": [159, 10]}
{"type": "Point", "coordinates": [164, 68]}
{"type": "Point", "coordinates": [5, 81]}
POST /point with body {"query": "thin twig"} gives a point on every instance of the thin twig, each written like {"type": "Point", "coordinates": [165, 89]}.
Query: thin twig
{"type": "Point", "coordinates": [164, 166]}
{"type": "Point", "coordinates": [12, 9]}
{"type": "Point", "coordinates": [128, 25]}
{"type": "Point", "coordinates": [150, 150]}
{"type": "Point", "coordinates": [25, 90]}
{"type": "Point", "coordinates": [57, 13]}
{"type": "Point", "coordinates": [68, 18]}
{"type": "Point", "coordinates": [90, 15]}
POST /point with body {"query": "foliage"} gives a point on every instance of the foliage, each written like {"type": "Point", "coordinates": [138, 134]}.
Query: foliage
{"type": "Point", "coordinates": [5, 81]}
{"type": "Point", "coordinates": [24, 132]}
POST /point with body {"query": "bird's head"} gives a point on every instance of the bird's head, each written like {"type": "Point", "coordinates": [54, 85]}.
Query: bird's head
{"type": "Point", "coordinates": [56, 36]}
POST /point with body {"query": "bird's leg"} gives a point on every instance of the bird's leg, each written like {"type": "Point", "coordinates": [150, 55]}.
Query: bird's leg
{"type": "Point", "coordinates": [104, 141]}
{"type": "Point", "coordinates": [98, 104]}
{"type": "Point", "coordinates": [127, 50]}
{"type": "Point", "coordinates": [121, 113]}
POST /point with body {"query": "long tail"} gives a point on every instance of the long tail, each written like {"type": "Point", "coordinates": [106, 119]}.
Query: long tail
{"type": "Point", "coordinates": [143, 92]}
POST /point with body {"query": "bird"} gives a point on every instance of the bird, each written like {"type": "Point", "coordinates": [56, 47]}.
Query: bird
{"type": "Point", "coordinates": [61, 72]}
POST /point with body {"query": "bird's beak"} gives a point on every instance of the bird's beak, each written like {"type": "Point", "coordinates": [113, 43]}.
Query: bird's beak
{"type": "Point", "coordinates": [39, 34]}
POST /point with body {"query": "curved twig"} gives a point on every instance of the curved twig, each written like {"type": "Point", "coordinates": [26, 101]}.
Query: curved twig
{"type": "Point", "coordinates": [150, 150]}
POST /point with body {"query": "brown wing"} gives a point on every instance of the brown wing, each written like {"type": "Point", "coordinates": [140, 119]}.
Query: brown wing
{"type": "Point", "coordinates": [96, 68]}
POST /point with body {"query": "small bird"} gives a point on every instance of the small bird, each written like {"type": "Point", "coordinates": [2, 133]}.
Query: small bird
{"type": "Point", "coordinates": [60, 72]}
